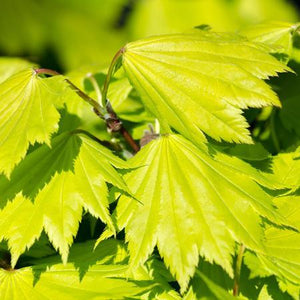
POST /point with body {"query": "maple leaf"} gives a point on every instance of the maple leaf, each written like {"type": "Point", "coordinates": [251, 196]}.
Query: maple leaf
{"type": "Point", "coordinates": [199, 82]}
{"type": "Point", "coordinates": [281, 256]}
{"type": "Point", "coordinates": [282, 246]}
{"type": "Point", "coordinates": [202, 286]}
{"type": "Point", "coordinates": [12, 65]}
{"type": "Point", "coordinates": [28, 115]}
{"type": "Point", "coordinates": [62, 188]}
{"type": "Point", "coordinates": [197, 204]}
{"type": "Point", "coordinates": [105, 277]}
{"type": "Point", "coordinates": [281, 35]}
{"type": "Point", "coordinates": [286, 169]}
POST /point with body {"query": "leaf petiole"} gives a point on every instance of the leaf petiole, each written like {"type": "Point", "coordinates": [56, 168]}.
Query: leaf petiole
{"type": "Point", "coordinates": [237, 271]}
{"type": "Point", "coordinates": [109, 74]}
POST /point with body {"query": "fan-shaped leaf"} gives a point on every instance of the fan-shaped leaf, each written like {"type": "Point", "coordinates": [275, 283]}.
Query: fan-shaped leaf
{"type": "Point", "coordinates": [62, 187]}
{"type": "Point", "coordinates": [200, 82]}
{"type": "Point", "coordinates": [63, 282]}
{"type": "Point", "coordinates": [193, 202]}
{"type": "Point", "coordinates": [99, 274]}
{"type": "Point", "coordinates": [27, 115]}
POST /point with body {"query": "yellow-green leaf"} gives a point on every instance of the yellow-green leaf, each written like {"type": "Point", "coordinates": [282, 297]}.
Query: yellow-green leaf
{"type": "Point", "coordinates": [68, 177]}
{"type": "Point", "coordinates": [200, 82]}
{"type": "Point", "coordinates": [279, 34]}
{"type": "Point", "coordinates": [191, 204]}
{"type": "Point", "coordinates": [27, 115]}
{"type": "Point", "coordinates": [12, 65]}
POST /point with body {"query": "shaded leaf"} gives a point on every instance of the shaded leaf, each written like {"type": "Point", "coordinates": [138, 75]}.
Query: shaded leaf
{"type": "Point", "coordinates": [204, 288]}
{"type": "Point", "coordinates": [281, 257]}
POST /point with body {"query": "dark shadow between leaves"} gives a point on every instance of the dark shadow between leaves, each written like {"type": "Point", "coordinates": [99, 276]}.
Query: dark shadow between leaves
{"type": "Point", "coordinates": [82, 256]}
{"type": "Point", "coordinates": [37, 169]}
{"type": "Point", "coordinates": [251, 286]}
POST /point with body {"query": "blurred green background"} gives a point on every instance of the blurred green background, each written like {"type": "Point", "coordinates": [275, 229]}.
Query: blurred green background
{"type": "Point", "coordinates": [66, 34]}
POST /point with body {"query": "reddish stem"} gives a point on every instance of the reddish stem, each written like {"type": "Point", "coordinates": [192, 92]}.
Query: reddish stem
{"type": "Point", "coordinates": [131, 142]}
{"type": "Point", "coordinates": [112, 120]}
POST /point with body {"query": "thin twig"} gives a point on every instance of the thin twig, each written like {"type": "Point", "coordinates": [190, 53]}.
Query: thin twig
{"type": "Point", "coordinates": [100, 111]}
{"type": "Point", "coordinates": [113, 123]}
{"type": "Point", "coordinates": [129, 139]}
{"type": "Point", "coordinates": [112, 120]}
{"type": "Point", "coordinates": [107, 144]}
{"type": "Point", "coordinates": [46, 72]}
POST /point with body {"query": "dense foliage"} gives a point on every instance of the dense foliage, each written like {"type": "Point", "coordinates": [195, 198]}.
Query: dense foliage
{"type": "Point", "coordinates": [172, 174]}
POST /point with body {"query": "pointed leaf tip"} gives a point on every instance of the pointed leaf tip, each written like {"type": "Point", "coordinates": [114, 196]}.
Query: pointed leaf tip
{"type": "Point", "coordinates": [199, 82]}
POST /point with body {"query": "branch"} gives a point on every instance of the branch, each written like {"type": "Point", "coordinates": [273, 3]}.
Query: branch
{"type": "Point", "coordinates": [113, 123]}
{"type": "Point", "coordinates": [100, 111]}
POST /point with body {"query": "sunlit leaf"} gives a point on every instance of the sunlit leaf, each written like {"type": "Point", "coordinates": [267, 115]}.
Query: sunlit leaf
{"type": "Point", "coordinates": [62, 188]}
{"type": "Point", "coordinates": [198, 83]}
{"type": "Point", "coordinates": [197, 204]}
{"type": "Point", "coordinates": [11, 65]}
{"type": "Point", "coordinates": [264, 295]}
{"type": "Point", "coordinates": [102, 278]}
{"type": "Point", "coordinates": [280, 34]}
{"type": "Point", "coordinates": [28, 115]}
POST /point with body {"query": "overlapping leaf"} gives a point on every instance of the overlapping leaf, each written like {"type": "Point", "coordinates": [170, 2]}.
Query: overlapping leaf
{"type": "Point", "coordinates": [286, 169]}
{"type": "Point", "coordinates": [28, 115]}
{"type": "Point", "coordinates": [282, 247]}
{"type": "Point", "coordinates": [104, 277]}
{"type": "Point", "coordinates": [49, 188]}
{"type": "Point", "coordinates": [204, 288]}
{"type": "Point", "coordinates": [264, 295]}
{"type": "Point", "coordinates": [175, 16]}
{"type": "Point", "coordinates": [199, 82]}
{"type": "Point", "coordinates": [280, 34]}
{"type": "Point", "coordinates": [191, 204]}
{"type": "Point", "coordinates": [12, 65]}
